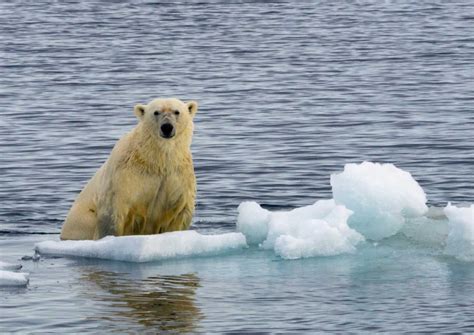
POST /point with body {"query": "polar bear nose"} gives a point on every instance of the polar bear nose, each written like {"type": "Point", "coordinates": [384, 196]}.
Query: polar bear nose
{"type": "Point", "coordinates": [167, 130]}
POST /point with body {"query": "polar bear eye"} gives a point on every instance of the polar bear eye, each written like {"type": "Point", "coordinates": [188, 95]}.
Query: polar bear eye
{"type": "Point", "coordinates": [176, 112]}
{"type": "Point", "coordinates": [156, 112]}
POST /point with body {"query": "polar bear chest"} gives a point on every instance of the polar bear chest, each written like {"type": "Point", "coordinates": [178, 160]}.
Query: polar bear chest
{"type": "Point", "coordinates": [155, 205]}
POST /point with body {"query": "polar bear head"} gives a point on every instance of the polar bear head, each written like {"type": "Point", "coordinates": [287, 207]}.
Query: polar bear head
{"type": "Point", "coordinates": [168, 119]}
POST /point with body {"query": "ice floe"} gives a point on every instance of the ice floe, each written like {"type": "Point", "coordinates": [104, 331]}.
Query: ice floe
{"type": "Point", "coordinates": [147, 248]}
{"type": "Point", "coordinates": [381, 196]}
{"type": "Point", "coordinates": [10, 278]}
{"type": "Point", "coordinates": [9, 266]}
{"type": "Point", "coordinates": [317, 230]}
{"type": "Point", "coordinates": [371, 201]}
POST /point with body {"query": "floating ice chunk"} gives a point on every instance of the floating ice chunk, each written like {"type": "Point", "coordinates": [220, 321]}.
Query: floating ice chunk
{"type": "Point", "coordinates": [9, 278]}
{"type": "Point", "coordinates": [253, 221]}
{"type": "Point", "coordinates": [9, 266]}
{"type": "Point", "coordinates": [381, 197]}
{"type": "Point", "coordinates": [147, 248]}
{"type": "Point", "coordinates": [460, 242]}
{"type": "Point", "coordinates": [316, 230]}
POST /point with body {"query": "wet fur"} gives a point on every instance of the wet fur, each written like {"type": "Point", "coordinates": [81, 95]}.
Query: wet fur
{"type": "Point", "coordinates": [146, 186]}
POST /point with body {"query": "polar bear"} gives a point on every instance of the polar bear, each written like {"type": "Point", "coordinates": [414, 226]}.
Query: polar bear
{"type": "Point", "coordinates": [147, 185]}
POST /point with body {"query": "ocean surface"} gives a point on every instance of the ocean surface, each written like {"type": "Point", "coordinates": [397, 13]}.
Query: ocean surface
{"type": "Point", "coordinates": [288, 93]}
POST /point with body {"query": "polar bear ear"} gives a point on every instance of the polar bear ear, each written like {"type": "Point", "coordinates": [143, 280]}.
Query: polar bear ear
{"type": "Point", "coordinates": [192, 107]}
{"type": "Point", "coordinates": [139, 111]}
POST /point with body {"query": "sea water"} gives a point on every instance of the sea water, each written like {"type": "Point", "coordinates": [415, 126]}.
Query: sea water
{"type": "Point", "coordinates": [289, 93]}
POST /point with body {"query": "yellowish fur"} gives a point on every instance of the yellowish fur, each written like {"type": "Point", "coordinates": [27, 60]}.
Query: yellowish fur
{"type": "Point", "coordinates": [147, 185]}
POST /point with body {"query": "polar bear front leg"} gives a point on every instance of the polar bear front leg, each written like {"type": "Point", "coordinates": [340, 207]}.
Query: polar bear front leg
{"type": "Point", "coordinates": [80, 223]}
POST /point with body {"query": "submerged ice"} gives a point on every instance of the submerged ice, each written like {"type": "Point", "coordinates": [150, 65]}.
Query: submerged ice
{"type": "Point", "coordinates": [381, 196]}
{"type": "Point", "coordinates": [317, 230]}
{"type": "Point", "coordinates": [147, 248]}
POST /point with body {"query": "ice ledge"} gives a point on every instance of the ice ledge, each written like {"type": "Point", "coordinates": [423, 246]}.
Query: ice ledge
{"type": "Point", "coordinates": [9, 278]}
{"type": "Point", "coordinates": [147, 248]}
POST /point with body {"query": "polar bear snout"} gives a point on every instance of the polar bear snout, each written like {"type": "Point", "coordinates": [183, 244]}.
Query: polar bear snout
{"type": "Point", "coordinates": [167, 130]}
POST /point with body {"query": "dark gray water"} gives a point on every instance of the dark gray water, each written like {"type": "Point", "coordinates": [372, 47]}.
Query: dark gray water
{"type": "Point", "coordinates": [289, 92]}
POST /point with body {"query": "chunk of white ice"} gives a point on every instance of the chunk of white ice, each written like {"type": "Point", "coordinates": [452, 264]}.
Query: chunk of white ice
{"type": "Point", "coordinates": [9, 278]}
{"type": "Point", "coordinates": [9, 266]}
{"type": "Point", "coordinates": [381, 196]}
{"type": "Point", "coordinates": [147, 248]}
{"type": "Point", "coordinates": [460, 242]}
{"type": "Point", "coordinates": [317, 230]}
{"type": "Point", "coordinates": [253, 221]}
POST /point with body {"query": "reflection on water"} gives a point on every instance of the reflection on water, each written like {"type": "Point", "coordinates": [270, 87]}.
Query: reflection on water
{"type": "Point", "coordinates": [166, 303]}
